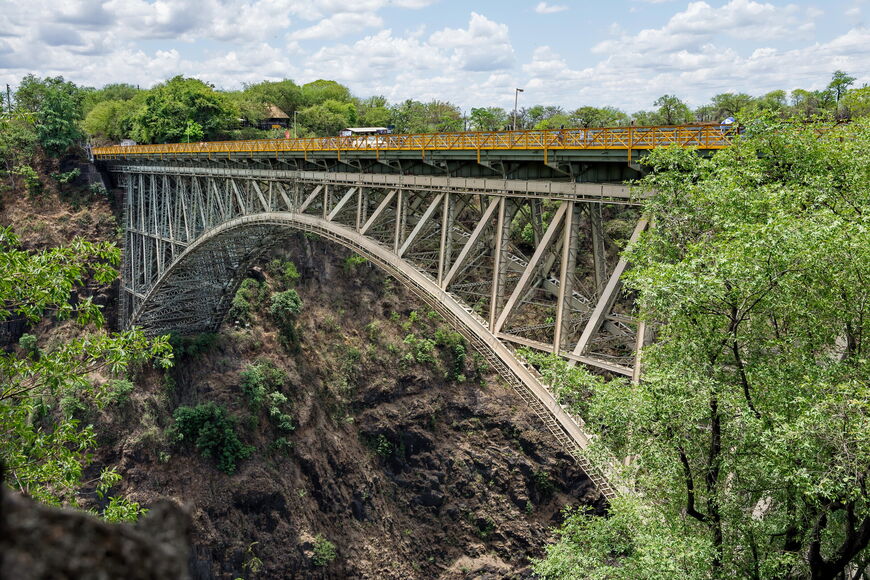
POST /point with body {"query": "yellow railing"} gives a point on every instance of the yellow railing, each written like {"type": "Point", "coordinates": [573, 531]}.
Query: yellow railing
{"type": "Point", "coordinates": [597, 138]}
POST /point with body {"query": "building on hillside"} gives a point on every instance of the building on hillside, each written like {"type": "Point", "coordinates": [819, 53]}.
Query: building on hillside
{"type": "Point", "coordinates": [275, 119]}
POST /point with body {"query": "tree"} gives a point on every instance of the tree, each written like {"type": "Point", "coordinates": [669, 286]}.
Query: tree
{"type": "Point", "coordinates": [810, 104]}
{"type": "Point", "coordinates": [598, 117]}
{"type": "Point", "coordinates": [319, 91]}
{"type": "Point", "coordinates": [56, 106]}
{"type": "Point", "coordinates": [374, 112]}
{"type": "Point", "coordinates": [840, 83]}
{"type": "Point", "coordinates": [328, 117]}
{"type": "Point", "coordinates": [857, 102]}
{"type": "Point", "coordinates": [44, 446]}
{"type": "Point", "coordinates": [729, 104]}
{"type": "Point", "coordinates": [168, 107]}
{"type": "Point", "coordinates": [488, 119]}
{"type": "Point", "coordinates": [672, 111]}
{"type": "Point", "coordinates": [109, 120]}
{"type": "Point", "coordinates": [748, 429]}
{"type": "Point", "coordinates": [539, 117]}
{"type": "Point", "coordinates": [112, 92]}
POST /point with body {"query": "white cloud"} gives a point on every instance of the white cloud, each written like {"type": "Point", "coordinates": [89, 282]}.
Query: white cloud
{"type": "Point", "coordinates": [484, 46]}
{"type": "Point", "coordinates": [545, 8]}
{"type": "Point", "coordinates": [379, 47]}
{"type": "Point", "coordinates": [339, 25]}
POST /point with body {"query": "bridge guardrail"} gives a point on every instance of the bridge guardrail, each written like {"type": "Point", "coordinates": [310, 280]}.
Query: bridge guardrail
{"type": "Point", "coordinates": [597, 138]}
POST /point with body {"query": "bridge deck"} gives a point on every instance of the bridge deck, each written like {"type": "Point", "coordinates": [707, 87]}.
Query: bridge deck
{"type": "Point", "coordinates": [598, 139]}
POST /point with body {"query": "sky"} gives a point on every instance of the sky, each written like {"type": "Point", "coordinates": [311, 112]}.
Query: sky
{"type": "Point", "coordinates": [473, 53]}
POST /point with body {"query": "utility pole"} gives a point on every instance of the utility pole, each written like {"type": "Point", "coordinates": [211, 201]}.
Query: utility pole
{"type": "Point", "coordinates": [8, 98]}
{"type": "Point", "coordinates": [516, 96]}
{"type": "Point", "coordinates": [295, 133]}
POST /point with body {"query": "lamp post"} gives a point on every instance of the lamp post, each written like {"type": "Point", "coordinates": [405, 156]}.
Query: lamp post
{"type": "Point", "coordinates": [295, 134]}
{"type": "Point", "coordinates": [516, 96]}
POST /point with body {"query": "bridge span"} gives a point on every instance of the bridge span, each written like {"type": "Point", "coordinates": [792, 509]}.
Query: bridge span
{"type": "Point", "coordinates": [508, 261]}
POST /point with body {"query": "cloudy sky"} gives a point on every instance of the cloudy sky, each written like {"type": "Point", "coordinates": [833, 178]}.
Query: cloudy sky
{"type": "Point", "coordinates": [624, 53]}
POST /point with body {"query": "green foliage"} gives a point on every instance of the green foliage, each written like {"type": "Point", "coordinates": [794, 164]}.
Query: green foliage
{"type": "Point", "coordinates": [748, 431]}
{"type": "Point", "coordinates": [44, 451]}
{"type": "Point", "coordinates": [30, 177]}
{"type": "Point", "coordinates": [252, 563]}
{"type": "Point", "coordinates": [117, 93]}
{"type": "Point", "coordinates": [68, 176]}
{"type": "Point", "coordinates": [110, 120]}
{"type": "Point", "coordinates": [320, 91]}
{"type": "Point", "coordinates": [57, 108]}
{"type": "Point", "coordinates": [420, 350]}
{"type": "Point", "coordinates": [672, 111]}
{"type": "Point", "coordinates": [324, 551]}
{"type": "Point", "coordinates": [117, 391]}
{"type": "Point", "coordinates": [328, 117]}
{"type": "Point", "coordinates": [284, 271]}
{"type": "Point", "coordinates": [182, 108]}
{"type": "Point", "coordinates": [121, 509]}
{"type": "Point", "coordinates": [489, 119]}
{"type": "Point", "coordinates": [571, 385]}
{"type": "Point", "coordinates": [632, 542]}
{"type": "Point", "coordinates": [262, 383]}
{"type": "Point", "coordinates": [213, 432]}
{"type": "Point", "coordinates": [259, 379]}
{"type": "Point", "coordinates": [352, 261]}
{"type": "Point", "coordinates": [247, 299]}
{"type": "Point", "coordinates": [456, 351]}
{"type": "Point", "coordinates": [383, 446]}
{"type": "Point", "coordinates": [28, 344]}
{"type": "Point", "coordinates": [284, 308]}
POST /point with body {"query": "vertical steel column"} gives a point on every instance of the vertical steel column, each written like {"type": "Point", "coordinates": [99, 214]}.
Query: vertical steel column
{"type": "Point", "coordinates": [599, 258]}
{"type": "Point", "coordinates": [445, 249]}
{"type": "Point", "coordinates": [360, 204]}
{"type": "Point", "coordinates": [397, 239]}
{"type": "Point", "coordinates": [570, 242]}
{"type": "Point", "coordinates": [506, 212]}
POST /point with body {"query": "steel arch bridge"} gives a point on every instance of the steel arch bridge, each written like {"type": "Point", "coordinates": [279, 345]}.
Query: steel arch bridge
{"type": "Point", "coordinates": [194, 224]}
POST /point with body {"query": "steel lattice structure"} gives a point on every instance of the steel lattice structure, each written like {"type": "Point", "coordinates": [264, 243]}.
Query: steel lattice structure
{"type": "Point", "coordinates": [192, 232]}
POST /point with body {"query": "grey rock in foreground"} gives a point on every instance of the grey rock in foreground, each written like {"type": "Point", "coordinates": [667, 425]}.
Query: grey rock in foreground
{"type": "Point", "coordinates": [38, 541]}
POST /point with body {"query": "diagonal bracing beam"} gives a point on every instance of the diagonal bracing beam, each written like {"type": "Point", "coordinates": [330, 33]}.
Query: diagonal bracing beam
{"type": "Point", "coordinates": [427, 215]}
{"type": "Point", "coordinates": [471, 243]}
{"type": "Point", "coordinates": [377, 213]}
{"type": "Point", "coordinates": [341, 203]}
{"type": "Point", "coordinates": [607, 298]}
{"type": "Point", "coordinates": [532, 266]}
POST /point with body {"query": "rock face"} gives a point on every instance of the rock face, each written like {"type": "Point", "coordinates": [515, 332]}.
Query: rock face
{"type": "Point", "coordinates": [393, 470]}
{"type": "Point", "coordinates": [38, 542]}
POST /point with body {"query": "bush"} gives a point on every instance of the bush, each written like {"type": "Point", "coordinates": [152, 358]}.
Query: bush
{"type": "Point", "coordinates": [30, 177]}
{"type": "Point", "coordinates": [27, 342]}
{"type": "Point", "coordinates": [259, 379]}
{"type": "Point", "coordinates": [285, 272]}
{"type": "Point", "coordinates": [456, 352]}
{"type": "Point", "coordinates": [284, 309]}
{"type": "Point", "coordinates": [247, 299]}
{"type": "Point", "coordinates": [420, 349]}
{"type": "Point", "coordinates": [353, 261]}
{"type": "Point", "coordinates": [67, 177]}
{"type": "Point", "coordinates": [213, 432]}
{"type": "Point", "coordinates": [118, 391]}
{"type": "Point", "coordinates": [324, 551]}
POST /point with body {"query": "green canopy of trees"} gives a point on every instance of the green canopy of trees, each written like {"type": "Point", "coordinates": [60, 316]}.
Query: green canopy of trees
{"type": "Point", "coordinates": [44, 448]}
{"type": "Point", "coordinates": [169, 107]}
{"type": "Point", "coordinates": [748, 432]}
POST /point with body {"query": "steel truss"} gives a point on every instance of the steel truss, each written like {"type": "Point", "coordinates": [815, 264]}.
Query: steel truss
{"type": "Point", "coordinates": [557, 291]}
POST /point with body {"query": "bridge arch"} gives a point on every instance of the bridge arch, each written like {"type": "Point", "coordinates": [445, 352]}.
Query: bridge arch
{"type": "Point", "coordinates": [229, 248]}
